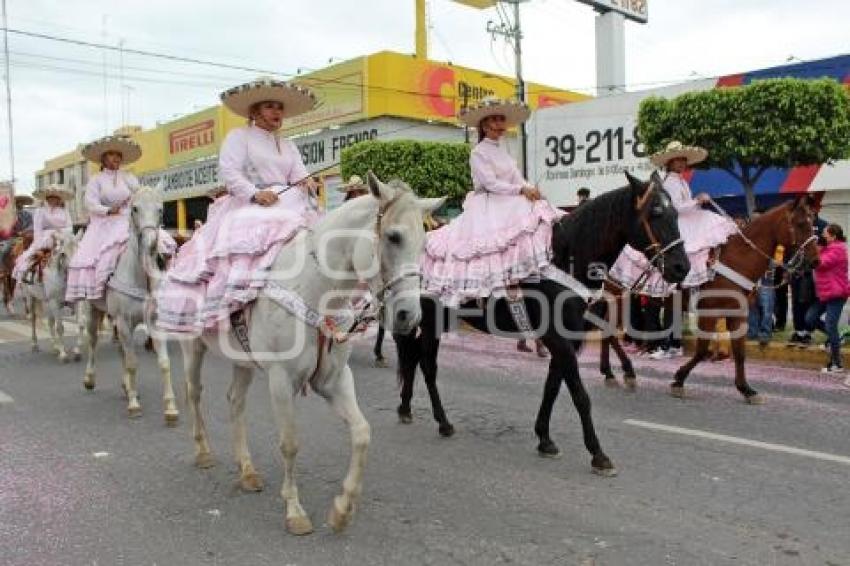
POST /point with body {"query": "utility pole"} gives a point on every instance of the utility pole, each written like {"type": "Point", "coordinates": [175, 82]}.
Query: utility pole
{"type": "Point", "coordinates": [8, 97]}
{"type": "Point", "coordinates": [513, 32]}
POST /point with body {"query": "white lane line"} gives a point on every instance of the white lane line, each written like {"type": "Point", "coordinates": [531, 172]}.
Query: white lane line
{"type": "Point", "coordinates": [5, 399]}
{"type": "Point", "coordinates": [741, 441]}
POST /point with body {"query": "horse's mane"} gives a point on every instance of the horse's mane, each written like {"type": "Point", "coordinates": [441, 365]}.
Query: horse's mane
{"type": "Point", "coordinates": [592, 232]}
{"type": "Point", "coordinates": [145, 192]}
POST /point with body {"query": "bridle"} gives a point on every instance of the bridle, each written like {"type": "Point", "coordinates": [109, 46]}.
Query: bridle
{"type": "Point", "coordinates": [655, 252]}
{"type": "Point", "coordinates": [386, 285]}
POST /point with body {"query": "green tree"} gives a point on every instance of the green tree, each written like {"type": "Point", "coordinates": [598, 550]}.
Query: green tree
{"type": "Point", "coordinates": [747, 130]}
{"type": "Point", "coordinates": [432, 169]}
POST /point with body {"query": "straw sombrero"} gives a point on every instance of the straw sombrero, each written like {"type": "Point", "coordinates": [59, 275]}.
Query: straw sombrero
{"type": "Point", "coordinates": [515, 113]}
{"type": "Point", "coordinates": [23, 200]}
{"type": "Point", "coordinates": [130, 151]}
{"type": "Point", "coordinates": [675, 149]}
{"type": "Point", "coordinates": [295, 99]}
{"type": "Point", "coordinates": [217, 191]}
{"type": "Point", "coordinates": [355, 183]}
{"type": "Point", "coordinates": [59, 191]}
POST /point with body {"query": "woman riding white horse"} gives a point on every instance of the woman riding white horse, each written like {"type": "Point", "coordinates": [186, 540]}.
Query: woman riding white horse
{"type": "Point", "coordinates": [270, 199]}
{"type": "Point", "coordinates": [50, 217]}
{"type": "Point", "coordinates": [108, 196]}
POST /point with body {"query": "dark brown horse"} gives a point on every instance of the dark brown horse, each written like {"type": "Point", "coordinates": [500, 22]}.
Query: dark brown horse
{"type": "Point", "coordinates": [727, 296]}
{"type": "Point", "coordinates": [19, 246]}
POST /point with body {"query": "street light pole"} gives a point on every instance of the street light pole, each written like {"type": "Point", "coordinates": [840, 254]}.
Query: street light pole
{"type": "Point", "coordinates": [520, 87]}
{"type": "Point", "coordinates": [8, 96]}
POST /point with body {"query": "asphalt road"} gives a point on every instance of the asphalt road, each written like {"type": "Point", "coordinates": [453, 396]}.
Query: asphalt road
{"type": "Point", "coordinates": [82, 484]}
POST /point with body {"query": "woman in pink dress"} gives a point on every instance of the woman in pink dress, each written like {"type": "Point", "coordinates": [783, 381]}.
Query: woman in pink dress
{"type": "Point", "coordinates": [107, 200]}
{"type": "Point", "coordinates": [701, 230]}
{"type": "Point", "coordinates": [50, 217]}
{"type": "Point", "coordinates": [504, 234]}
{"type": "Point", "coordinates": [270, 198]}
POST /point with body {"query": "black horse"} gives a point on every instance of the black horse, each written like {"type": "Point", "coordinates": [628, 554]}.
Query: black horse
{"type": "Point", "coordinates": [584, 244]}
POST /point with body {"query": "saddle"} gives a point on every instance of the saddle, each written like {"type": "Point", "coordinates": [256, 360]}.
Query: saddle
{"type": "Point", "coordinates": [38, 262]}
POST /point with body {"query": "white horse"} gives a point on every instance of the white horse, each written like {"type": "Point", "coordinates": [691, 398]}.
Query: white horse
{"type": "Point", "coordinates": [127, 301]}
{"type": "Point", "coordinates": [375, 238]}
{"type": "Point", "coordinates": [49, 295]}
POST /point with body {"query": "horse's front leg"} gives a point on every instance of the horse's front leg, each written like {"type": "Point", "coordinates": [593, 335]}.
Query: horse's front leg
{"type": "Point", "coordinates": [629, 377]}
{"type": "Point", "coordinates": [408, 349]}
{"type": "Point", "coordinates": [131, 366]}
{"type": "Point", "coordinates": [81, 320]}
{"type": "Point", "coordinates": [169, 403]}
{"type": "Point", "coordinates": [343, 398]}
{"type": "Point", "coordinates": [283, 402]}
{"type": "Point", "coordinates": [739, 354]}
{"type": "Point", "coordinates": [92, 329]}
{"type": "Point", "coordinates": [249, 479]}
{"type": "Point", "coordinates": [546, 447]}
{"type": "Point", "coordinates": [707, 326]}
{"type": "Point", "coordinates": [565, 364]}
{"type": "Point", "coordinates": [33, 321]}
{"type": "Point", "coordinates": [428, 363]}
{"type": "Point", "coordinates": [57, 329]}
{"type": "Point", "coordinates": [193, 357]}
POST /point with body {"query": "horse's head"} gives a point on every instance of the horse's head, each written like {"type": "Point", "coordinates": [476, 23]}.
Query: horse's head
{"type": "Point", "coordinates": [64, 248]}
{"type": "Point", "coordinates": [796, 232]}
{"type": "Point", "coordinates": [390, 262]}
{"type": "Point", "coordinates": [654, 229]}
{"type": "Point", "coordinates": [145, 220]}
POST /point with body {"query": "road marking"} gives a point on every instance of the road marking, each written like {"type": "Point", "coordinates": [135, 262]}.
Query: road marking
{"type": "Point", "coordinates": [5, 399]}
{"type": "Point", "coordinates": [741, 441]}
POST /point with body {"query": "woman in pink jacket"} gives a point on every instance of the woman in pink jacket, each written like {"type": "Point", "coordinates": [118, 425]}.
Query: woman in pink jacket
{"type": "Point", "coordinates": [832, 288]}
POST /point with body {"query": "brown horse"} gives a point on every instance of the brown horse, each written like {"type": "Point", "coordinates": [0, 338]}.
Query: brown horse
{"type": "Point", "coordinates": [19, 246]}
{"type": "Point", "coordinates": [746, 257]}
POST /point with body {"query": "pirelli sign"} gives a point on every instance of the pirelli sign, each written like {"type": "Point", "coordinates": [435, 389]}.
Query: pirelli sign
{"type": "Point", "coordinates": [191, 137]}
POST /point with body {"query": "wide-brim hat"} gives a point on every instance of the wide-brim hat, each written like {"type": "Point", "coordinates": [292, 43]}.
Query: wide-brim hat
{"type": "Point", "coordinates": [130, 151]}
{"type": "Point", "coordinates": [694, 154]}
{"type": "Point", "coordinates": [515, 113]}
{"type": "Point", "coordinates": [295, 99]}
{"type": "Point", "coordinates": [355, 183]}
{"type": "Point", "coordinates": [59, 191]}
{"type": "Point", "coordinates": [23, 200]}
{"type": "Point", "coordinates": [217, 191]}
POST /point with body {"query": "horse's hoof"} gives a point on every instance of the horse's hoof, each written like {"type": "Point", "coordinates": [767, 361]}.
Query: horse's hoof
{"type": "Point", "coordinates": [299, 526]}
{"type": "Point", "coordinates": [755, 399]}
{"type": "Point", "coordinates": [446, 430]}
{"type": "Point", "coordinates": [405, 418]}
{"type": "Point", "coordinates": [612, 383]}
{"type": "Point", "coordinates": [172, 419]}
{"type": "Point", "coordinates": [548, 449]}
{"type": "Point", "coordinates": [252, 482]}
{"type": "Point", "coordinates": [35, 348]}
{"type": "Point", "coordinates": [134, 412]}
{"type": "Point", "coordinates": [63, 358]}
{"type": "Point", "coordinates": [381, 363]}
{"type": "Point", "coordinates": [601, 465]}
{"type": "Point", "coordinates": [89, 385]}
{"type": "Point", "coordinates": [338, 521]}
{"type": "Point", "coordinates": [630, 383]}
{"type": "Point", "coordinates": [204, 461]}
{"type": "Point", "coordinates": [677, 391]}
{"type": "Point", "coordinates": [77, 356]}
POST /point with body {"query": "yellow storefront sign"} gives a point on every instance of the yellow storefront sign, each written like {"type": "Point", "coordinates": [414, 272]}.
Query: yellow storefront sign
{"type": "Point", "coordinates": [194, 136]}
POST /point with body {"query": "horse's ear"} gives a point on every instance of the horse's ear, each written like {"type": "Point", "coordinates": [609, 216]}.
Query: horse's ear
{"type": "Point", "coordinates": [379, 190]}
{"type": "Point", "coordinates": [640, 190]}
{"type": "Point", "coordinates": [427, 205]}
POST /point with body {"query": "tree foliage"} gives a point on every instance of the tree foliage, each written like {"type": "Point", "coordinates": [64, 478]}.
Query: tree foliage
{"type": "Point", "coordinates": [432, 169]}
{"type": "Point", "coordinates": [747, 130]}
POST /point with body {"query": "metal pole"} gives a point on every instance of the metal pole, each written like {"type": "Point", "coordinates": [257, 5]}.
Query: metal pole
{"type": "Point", "coordinates": [121, 80]}
{"type": "Point", "coordinates": [8, 97]}
{"type": "Point", "coordinates": [520, 86]}
{"type": "Point", "coordinates": [105, 105]}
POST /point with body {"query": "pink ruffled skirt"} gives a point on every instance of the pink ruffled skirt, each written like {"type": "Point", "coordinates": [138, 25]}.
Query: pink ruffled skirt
{"type": "Point", "coordinates": [497, 241]}
{"type": "Point", "coordinates": [225, 264]}
{"type": "Point", "coordinates": [22, 264]}
{"type": "Point", "coordinates": [701, 231]}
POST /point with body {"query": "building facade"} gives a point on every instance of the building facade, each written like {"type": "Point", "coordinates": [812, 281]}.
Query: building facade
{"type": "Point", "coordinates": [383, 96]}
